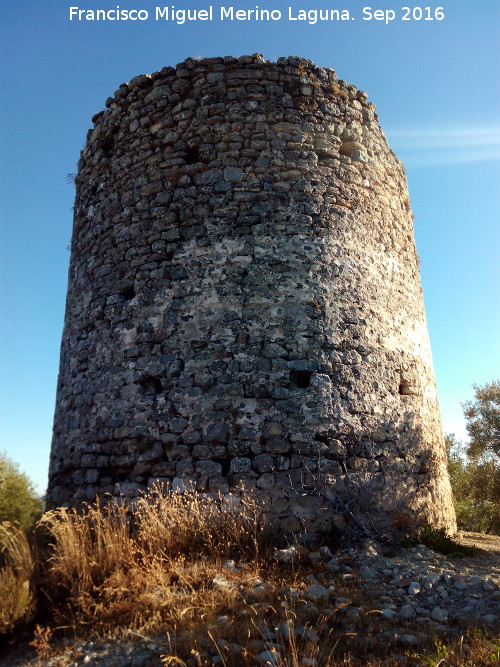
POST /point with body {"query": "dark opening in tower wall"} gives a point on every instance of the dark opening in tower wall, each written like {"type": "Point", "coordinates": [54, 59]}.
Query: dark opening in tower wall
{"type": "Point", "coordinates": [128, 292]}
{"type": "Point", "coordinates": [107, 145]}
{"type": "Point", "coordinates": [192, 155]}
{"type": "Point", "coordinates": [300, 379]}
{"type": "Point", "coordinates": [150, 386]}
{"type": "Point", "coordinates": [405, 389]}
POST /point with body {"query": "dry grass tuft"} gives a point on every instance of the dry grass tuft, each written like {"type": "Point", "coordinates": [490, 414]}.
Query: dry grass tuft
{"type": "Point", "coordinates": [16, 569]}
{"type": "Point", "coordinates": [155, 566]}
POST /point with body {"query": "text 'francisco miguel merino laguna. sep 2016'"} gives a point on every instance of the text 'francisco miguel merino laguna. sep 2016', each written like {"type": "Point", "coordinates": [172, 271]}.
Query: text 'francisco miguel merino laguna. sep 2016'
{"type": "Point", "coordinates": [230, 14]}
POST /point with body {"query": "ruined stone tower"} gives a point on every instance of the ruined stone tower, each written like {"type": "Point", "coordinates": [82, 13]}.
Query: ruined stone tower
{"type": "Point", "coordinates": [244, 302]}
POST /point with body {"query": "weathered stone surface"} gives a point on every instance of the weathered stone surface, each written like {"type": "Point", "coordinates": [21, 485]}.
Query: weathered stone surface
{"type": "Point", "coordinates": [439, 614]}
{"type": "Point", "coordinates": [317, 593]}
{"type": "Point", "coordinates": [407, 612]}
{"type": "Point", "coordinates": [244, 304]}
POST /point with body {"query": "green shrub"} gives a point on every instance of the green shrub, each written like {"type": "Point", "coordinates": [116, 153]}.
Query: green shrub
{"type": "Point", "coordinates": [19, 502]}
{"type": "Point", "coordinates": [476, 488]}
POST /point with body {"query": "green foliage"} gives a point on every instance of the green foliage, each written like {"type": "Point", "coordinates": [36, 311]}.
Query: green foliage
{"type": "Point", "coordinates": [474, 468]}
{"type": "Point", "coordinates": [472, 649]}
{"type": "Point", "coordinates": [438, 657]}
{"type": "Point", "coordinates": [476, 488]}
{"type": "Point", "coordinates": [19, 502]}
{"type": "Point", "coordinates": [483, 420]}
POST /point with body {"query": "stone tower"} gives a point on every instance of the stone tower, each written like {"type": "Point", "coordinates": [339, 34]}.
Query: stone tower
{"type": "Point", "coordinates": [244, 303]}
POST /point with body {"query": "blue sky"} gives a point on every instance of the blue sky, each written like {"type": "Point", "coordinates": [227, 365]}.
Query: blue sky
{"type": "Point", "coordinates": [435, 85]}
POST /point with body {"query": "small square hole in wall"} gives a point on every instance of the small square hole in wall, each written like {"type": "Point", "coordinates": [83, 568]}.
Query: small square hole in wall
{"type": "Point", "coordinates": [128, 293]}
{"type": "Point", "coordinates": [192, 155]}
{"type": "Point", "coordinates": [150, 386]}
{"type": "Point", "coordinates": [300, 379]}
{"type": "Point", "coordinates": [107, 145]}
{"type": "Point", "coordinates": [404, 388]}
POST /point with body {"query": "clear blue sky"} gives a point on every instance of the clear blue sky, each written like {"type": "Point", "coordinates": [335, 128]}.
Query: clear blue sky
{"type": "Point", "coordinates": [435, 85]}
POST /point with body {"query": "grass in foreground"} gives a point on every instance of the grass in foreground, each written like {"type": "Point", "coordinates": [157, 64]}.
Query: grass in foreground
{"type": "Point", "coordinates": [17, 600]}
{"type": "Point", "coordinates": [160, 573]}
{"type": "Point", "coordinates": [155, 566]}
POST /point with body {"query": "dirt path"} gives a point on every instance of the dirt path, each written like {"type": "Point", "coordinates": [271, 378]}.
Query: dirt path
{"type": "Point", "coordinates": [487, 563]}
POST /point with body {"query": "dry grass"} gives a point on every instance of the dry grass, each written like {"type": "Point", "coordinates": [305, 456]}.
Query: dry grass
{"type": "Point", "coordinates": [17, 601]}
{"type": "Point", "coordinates": [153, 567]}
{"type": "Point", "coordinates": [159, 573]}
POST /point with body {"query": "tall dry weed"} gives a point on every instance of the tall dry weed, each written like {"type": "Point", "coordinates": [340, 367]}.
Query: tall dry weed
{"type": "Point", "coordinates": [17, 601]}
{"type": "Point", "coordinates": [86, 546]}
{"type": "Point", "coordinates": [191, 524]}
{"type": "Point", "coordinates": [150, 565]}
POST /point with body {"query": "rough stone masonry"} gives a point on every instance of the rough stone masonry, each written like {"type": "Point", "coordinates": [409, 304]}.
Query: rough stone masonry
{"type": "Point", "coordinates": [244, 306]}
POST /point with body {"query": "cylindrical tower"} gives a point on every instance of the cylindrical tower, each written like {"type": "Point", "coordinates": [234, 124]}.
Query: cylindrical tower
{"type": "Point", "coordinates": [244, 303]}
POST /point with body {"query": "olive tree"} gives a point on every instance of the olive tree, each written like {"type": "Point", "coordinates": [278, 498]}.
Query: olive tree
{"type": "Point", "coordinates": [475, 482]}
{"type": "Point", "coordinates": [483, 420]}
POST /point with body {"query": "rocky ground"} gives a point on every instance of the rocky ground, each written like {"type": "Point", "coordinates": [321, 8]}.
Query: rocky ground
{"type": "Point", "coordinates": [401, 597]}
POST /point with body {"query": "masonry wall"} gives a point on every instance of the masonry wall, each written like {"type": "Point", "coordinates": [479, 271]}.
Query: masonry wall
{"type": "Point", "coordinates": [244, 304]}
